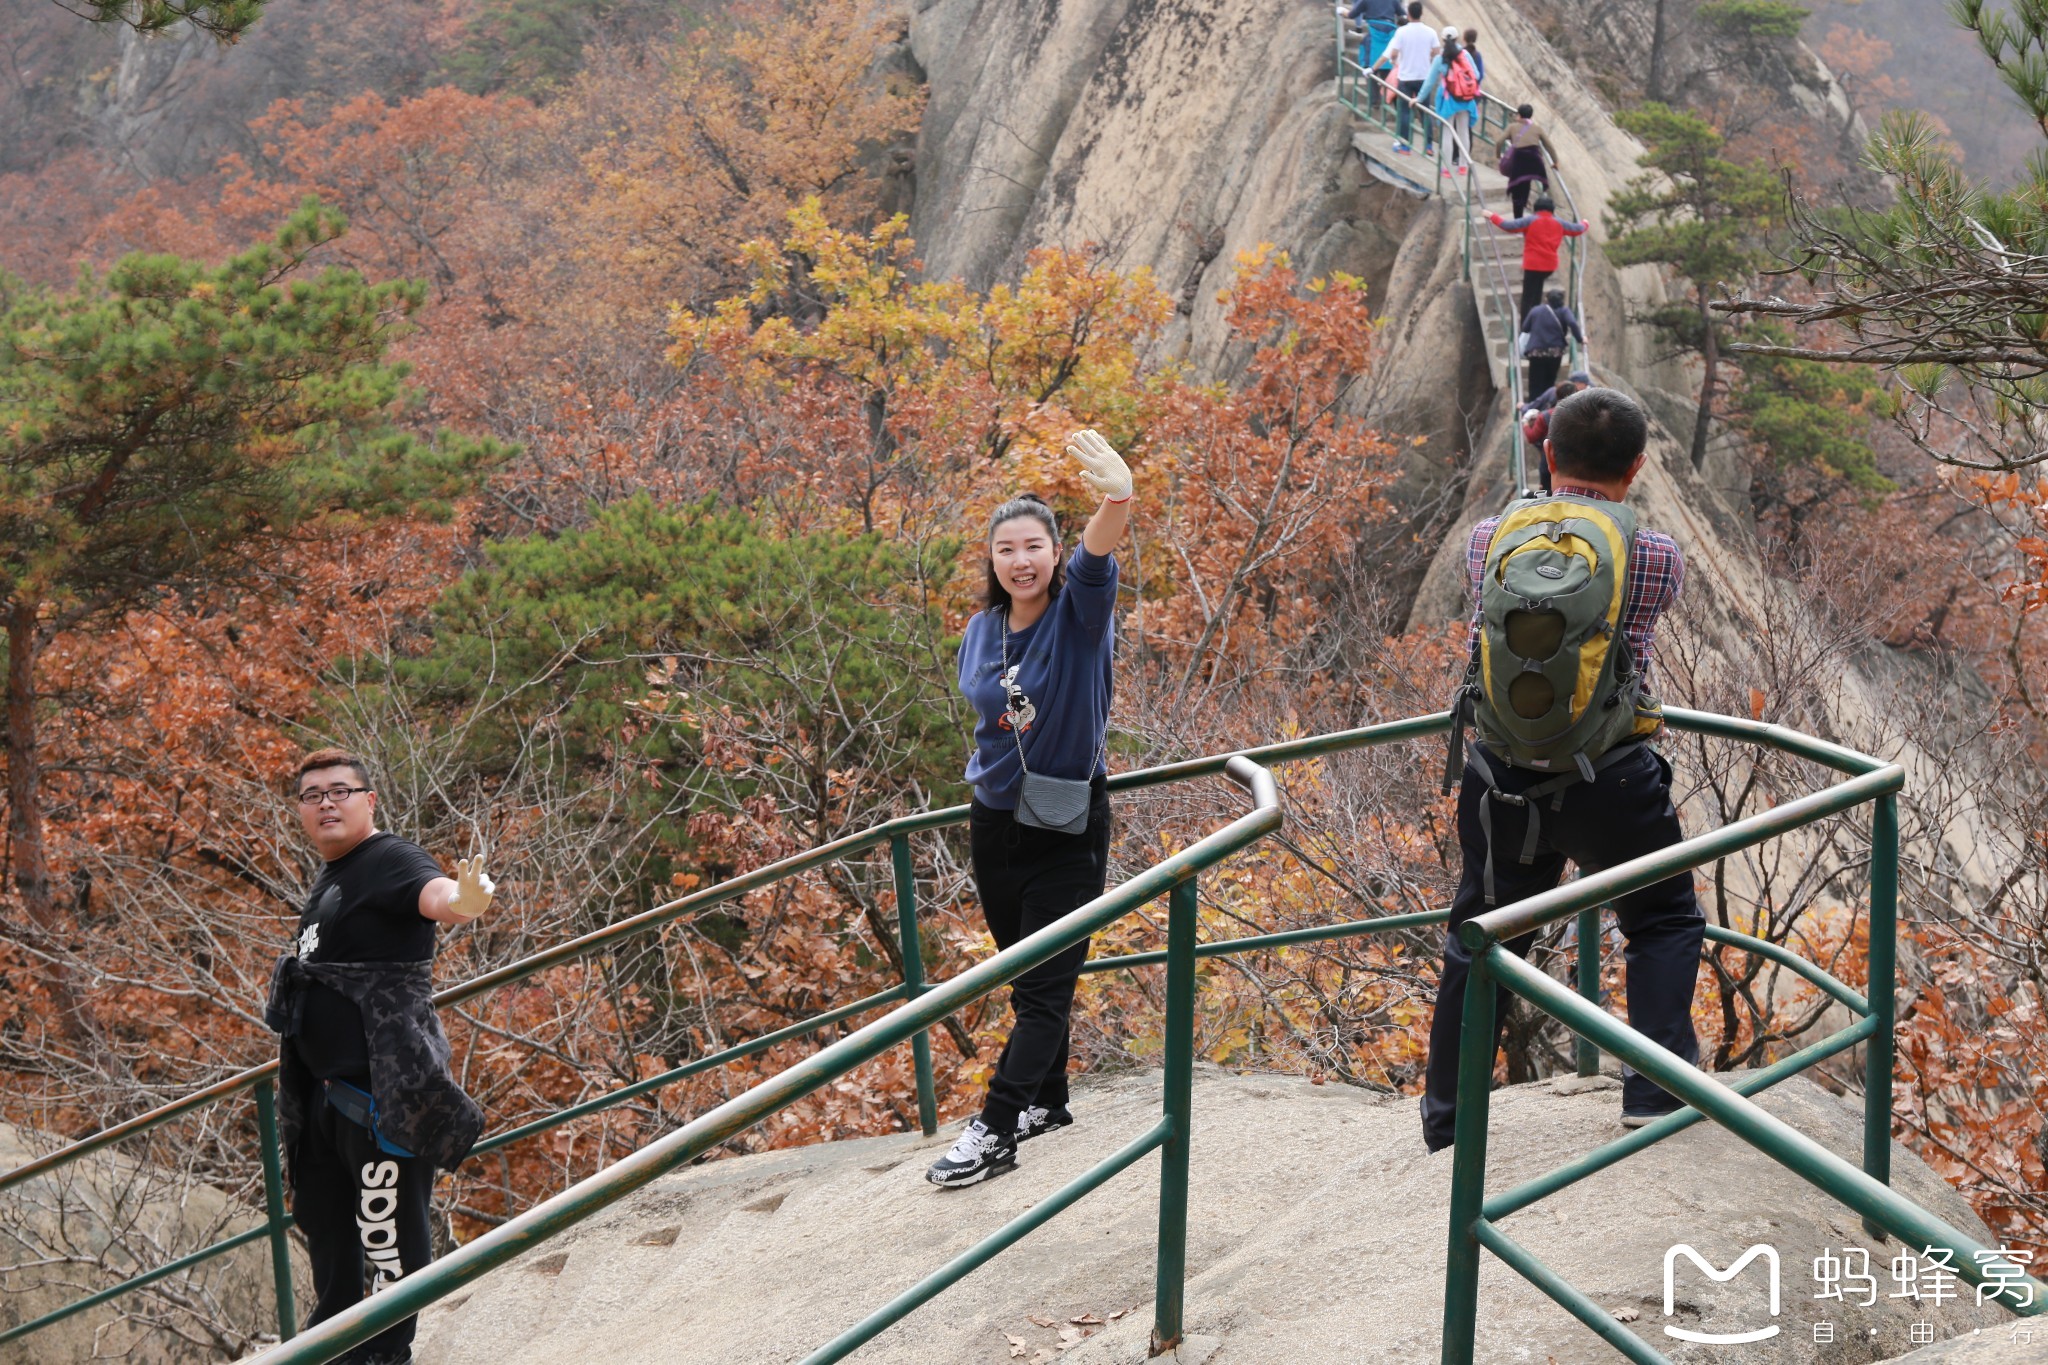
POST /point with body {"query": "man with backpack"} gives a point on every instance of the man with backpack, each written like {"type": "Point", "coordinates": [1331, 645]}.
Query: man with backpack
{"type": "Point", "coordinates": [1560, 770]}
{"type": "Point", "coordinates": [1547, 333]}
{"type": "Point", "coordinates": [1378, 19]}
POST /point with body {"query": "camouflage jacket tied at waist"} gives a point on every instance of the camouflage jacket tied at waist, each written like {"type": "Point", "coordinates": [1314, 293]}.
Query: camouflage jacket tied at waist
{"type": "Point", "coordinates": [419, 1105]}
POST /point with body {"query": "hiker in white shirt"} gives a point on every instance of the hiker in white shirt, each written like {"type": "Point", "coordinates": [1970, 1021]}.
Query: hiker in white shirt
{"type": "Point", "coordinates": [1410, 52]}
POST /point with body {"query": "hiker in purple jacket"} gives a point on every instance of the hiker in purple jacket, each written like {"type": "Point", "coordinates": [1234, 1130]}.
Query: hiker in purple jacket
{"type": "Point", "coordinates": [1526, 157]}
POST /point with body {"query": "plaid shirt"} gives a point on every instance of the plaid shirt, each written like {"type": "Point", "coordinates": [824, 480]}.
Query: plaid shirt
{"type": "Point", "coordinates": [1656, 573]}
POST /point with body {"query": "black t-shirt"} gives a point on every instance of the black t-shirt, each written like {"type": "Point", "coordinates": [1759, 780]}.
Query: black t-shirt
{"type": "Point", "coordinates": [364, 907]}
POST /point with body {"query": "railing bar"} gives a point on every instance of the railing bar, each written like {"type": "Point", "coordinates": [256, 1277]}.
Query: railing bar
{"type": "Point", "coordinates": [1286, 751]}
{"type": "Point", "coordinates": [1839, 757]}
{"type": "Point", "coordinates": [1526, 916]}
{"type": "Point", "coordinates": [746, 882]}
{"type": "Point", "coordinates": [687, 1070]}
{"type": "Point", "coordinates": [1229, 946]}
{"type": "Point", "coordinates": [1830, 755]}
{"type": "Point", "coordinates": [629, 1173]}
{"type": "Point", "coordinates": [129, 1127]}
{"type": "Point", "coordinates": [1600, 1158]}
{"type": "Point", "coordinates": [1790, 960]}
{"type": "Point", "coordinates": [185, 1262]}
{"type": "Point", "coordinates": [1603, 1323]}
{"type": "Point", "coordinates": [986, 1250]}
{"type": "Point", "coordinates": [1767, 1133]}
{"type": "Point", "coordinates": [277, 1213]}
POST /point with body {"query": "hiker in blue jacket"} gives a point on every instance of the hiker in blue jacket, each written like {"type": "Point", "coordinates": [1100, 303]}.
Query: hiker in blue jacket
{"type": "Point", "coordinates": [1546, 331]}
{"type": "Point", "coordinates": [1378, 19]}
{"type": "Point", "coordinates": [1452, 89]}
{"type": "Point", "coordinates": [1035, 666]}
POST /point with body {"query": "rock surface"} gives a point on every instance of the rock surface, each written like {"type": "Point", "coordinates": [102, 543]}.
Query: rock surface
{"type": "Point", "coordinates": [1315, 1234]}
{"type": "Point", "coordinates": [55, 1230]}
{"type": "Point", "coordinates": [2007, 1344]}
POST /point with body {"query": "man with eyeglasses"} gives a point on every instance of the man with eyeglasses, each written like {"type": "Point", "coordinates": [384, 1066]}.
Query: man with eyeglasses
{"type": "Point", "coordinates": [368, 1106]}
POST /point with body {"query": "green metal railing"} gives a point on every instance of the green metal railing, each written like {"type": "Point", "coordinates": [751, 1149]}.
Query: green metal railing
{"type": "Point", "coordinates": [259, 1081]}
{"type": "Point", "coordinates": [1173, 878]}
{"type": "Point", "coordinates": [1473, 1213]}
{"type": "Point", "coordinates": [1475, 1218]}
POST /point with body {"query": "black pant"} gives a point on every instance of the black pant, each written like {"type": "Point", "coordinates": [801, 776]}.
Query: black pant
{"type": "Point", "coordinates": [1625, 813]}
{"type": "Point", "coordinates": [1542, 375]}
{"type": "Point", "coordinates": [1532, 290]}
{"type": "Point", "coordinates": [357, 1205]}
{"type": "Point", "coordinates": [1027, 878]}
{"type": "Point", "coordinates": [1518, 197]}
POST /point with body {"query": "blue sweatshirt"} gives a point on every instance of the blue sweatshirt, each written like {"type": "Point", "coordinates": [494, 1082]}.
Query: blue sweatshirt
{"type": "Point", "coordinates": [1061, 662]}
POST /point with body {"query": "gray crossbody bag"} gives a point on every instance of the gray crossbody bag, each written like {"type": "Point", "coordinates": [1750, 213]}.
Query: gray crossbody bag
{"type": "Point", "coordinates": [1055, 803]}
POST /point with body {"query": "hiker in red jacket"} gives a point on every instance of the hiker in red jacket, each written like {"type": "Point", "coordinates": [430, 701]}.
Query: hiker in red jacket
{"type": "Point", "coordinates": [1541, 231]}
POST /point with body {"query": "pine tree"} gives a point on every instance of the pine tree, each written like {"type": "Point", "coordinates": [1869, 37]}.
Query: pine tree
{"type": "Point", "coordinates": [163, 428]}
{"type": "Point", "coordinates": [1698, 214]}
{"type": "Point", "coordinates": [226, 20]}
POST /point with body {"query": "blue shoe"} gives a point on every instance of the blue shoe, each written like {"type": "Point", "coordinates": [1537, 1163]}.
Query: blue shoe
{"type": "Point", "coordinates": [1403, 148]}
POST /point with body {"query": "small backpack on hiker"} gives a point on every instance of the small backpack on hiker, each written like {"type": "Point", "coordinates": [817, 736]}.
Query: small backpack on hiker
{"type": "Point", "coordinates": [1552, 684]}
{"type": "Point", "coordinates": [1461, 80]}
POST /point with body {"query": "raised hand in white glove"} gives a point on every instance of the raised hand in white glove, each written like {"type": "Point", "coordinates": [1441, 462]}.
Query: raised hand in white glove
{"type": "Point", "coordinates": [1102, 469]}
{"type": "Point", "coordinates": [473, 890]}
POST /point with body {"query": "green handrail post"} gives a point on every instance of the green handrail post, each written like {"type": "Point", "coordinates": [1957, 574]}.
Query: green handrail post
{"type": "Point", "coordinates": [1881, 992]}
{"type": "Point", "coordinates": [1343, 65]}
{"type": "Point", "coordinates": [1171, 1283]}
{"type": "Point", "coordinates": [912, 943]}
{"type": "Point", "coordinates": [1468, 1155]}
{"type": "Point", "coordinates": [274, 1210]}
{"type": "Point", "coordinates": [1589, 983]}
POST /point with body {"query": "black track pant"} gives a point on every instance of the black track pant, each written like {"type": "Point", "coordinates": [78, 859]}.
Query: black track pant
{"type": "Point", "coordinates": [1625, 813]}
{"type": "Point", "coordinates": [360, 1208]}
{"type": "Point", "coordinates": [1027, 878]}
{"type": "Point", "coordinates": [1542, 375]}
{"type": "Point", "coordinates": [1532, 292]}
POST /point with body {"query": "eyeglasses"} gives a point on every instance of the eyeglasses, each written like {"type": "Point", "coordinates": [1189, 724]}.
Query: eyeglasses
{"type": "Point", "coordinates": [313, 796]}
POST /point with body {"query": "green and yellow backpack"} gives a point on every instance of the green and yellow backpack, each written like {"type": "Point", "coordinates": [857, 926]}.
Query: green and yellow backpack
{"type": "Point", "coordinates": [1553, 683]}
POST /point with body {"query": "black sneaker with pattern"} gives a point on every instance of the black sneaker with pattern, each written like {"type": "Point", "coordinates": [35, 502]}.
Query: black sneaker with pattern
{"type": "Point", "coordinates": [1036, 1120]}
{"type": "Point", "coordinates": [979, 1155]}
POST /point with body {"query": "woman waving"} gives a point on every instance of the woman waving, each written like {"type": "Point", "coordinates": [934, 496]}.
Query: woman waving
{"type": "Point", "coordinates": [1035, 666]}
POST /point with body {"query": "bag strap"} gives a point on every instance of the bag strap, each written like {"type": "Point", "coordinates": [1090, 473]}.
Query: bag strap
{"type": "Point", "coordinates": [1101, 749]}
{"type": "Point", "coordinates": [1585, 770]}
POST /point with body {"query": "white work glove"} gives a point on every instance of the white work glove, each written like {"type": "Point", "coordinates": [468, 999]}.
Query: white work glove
{"type": "Point", "coordinates": [473, 890]}
{"type": "Point", "coordinates": [1102, 469]}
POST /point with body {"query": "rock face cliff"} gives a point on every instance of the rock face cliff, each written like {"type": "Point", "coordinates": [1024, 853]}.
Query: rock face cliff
{"type": "Point", "coordinates": [1177, 133]}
